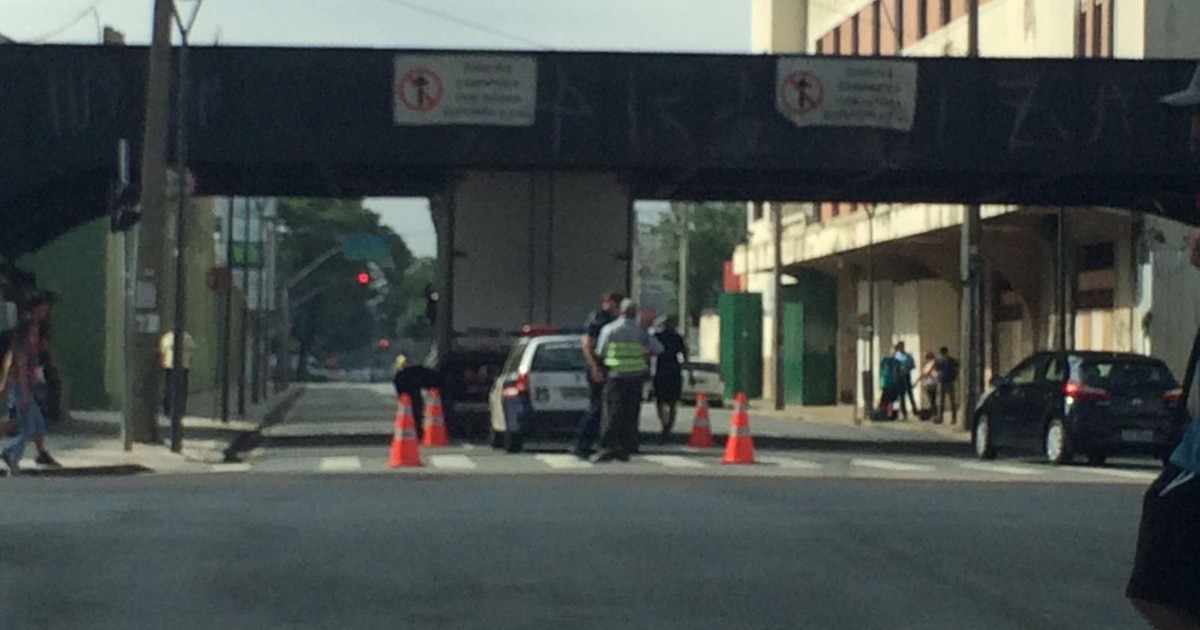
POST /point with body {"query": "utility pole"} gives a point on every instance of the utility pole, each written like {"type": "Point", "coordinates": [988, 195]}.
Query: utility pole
{"type": "Point", "coordinates": [255, 358]}
{"type": "Point", "coordinates": [685, 247]}
{"type": "Point", "coordinates": [869, 382]}
{"type": "Point", "coordinates": [150, 276]}
{"type": "Point", "coordinates": [777, 302]}
{"type": "Point", "coordinates": [129, 243]}
{"type": "Point", "coordinates": [1060, 281]}
{"type": "Point", "coordinates": [970, 269]}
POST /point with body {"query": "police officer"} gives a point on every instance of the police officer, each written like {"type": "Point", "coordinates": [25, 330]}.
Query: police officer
{"type": "Point", "coordinates": [589, 426]}
{"type": "Point", "coordinates": [626, 347]}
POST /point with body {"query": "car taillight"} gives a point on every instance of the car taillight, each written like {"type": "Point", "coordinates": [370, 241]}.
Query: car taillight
{"type": "Point", "coordinates": [1079, 391]}
{"type": "Point", "coordinates": [1173, 395]}
{"type": "Point", "coordinates": [518, 387]}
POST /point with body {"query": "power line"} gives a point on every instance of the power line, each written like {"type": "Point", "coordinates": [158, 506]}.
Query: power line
{"type": "Point", "coordinates": [77, 19]}
{"type": "Point", "coordinates": [467, 23]}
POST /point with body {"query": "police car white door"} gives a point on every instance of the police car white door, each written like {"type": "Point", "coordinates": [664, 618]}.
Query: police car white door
{"type": "Point", "coordinates": [543, 393]}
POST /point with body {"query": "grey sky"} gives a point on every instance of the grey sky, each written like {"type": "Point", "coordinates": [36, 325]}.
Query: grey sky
{"type": "Point", "coordinates": [646, 25]}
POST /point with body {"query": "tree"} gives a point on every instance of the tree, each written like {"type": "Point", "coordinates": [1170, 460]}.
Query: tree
{"type": "Point", "coordinates": [341, 315]}
{"type": "Point", "coordinates": [716, 229]}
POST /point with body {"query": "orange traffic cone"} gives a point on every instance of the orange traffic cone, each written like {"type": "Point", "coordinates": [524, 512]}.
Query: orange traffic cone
{"type": "Point", "coordinates": [739, 448]}
{"type": "Point", "coordinates": [435, 423]}
{"type": "Point", "coordinates": [701, 432]}
{"type": "Point", "coordinates": [405, 450]}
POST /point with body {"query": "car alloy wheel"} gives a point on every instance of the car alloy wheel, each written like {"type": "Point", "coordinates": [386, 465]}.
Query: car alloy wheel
{"type": "Point", "coordinates": [1055, 444]}
{"type": "Point", "coordinates": [983, 438]}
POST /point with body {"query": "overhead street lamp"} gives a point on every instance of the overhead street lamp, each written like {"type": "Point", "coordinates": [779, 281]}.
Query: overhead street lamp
{"type": "Point", "coordinates": [178, 383]}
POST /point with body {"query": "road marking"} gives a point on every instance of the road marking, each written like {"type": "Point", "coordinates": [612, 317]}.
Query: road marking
{"type": "Point", "coordinates": [1124, 474]}
{"type": "Point", "coordinates": [562, 460]}
{"type": "Point", "coordinates": [883, 464]}
{"type": "Point", "coordinates": [235, 467]}
{"type": "Point", "coordinates": [1000, 468]}
{"type": "Point", "coordinates": [340, 464]}
{"type": "Point", "coordinates": [452, 462]}
{"type": "Point", "coordinates": [674, 461]}
{"type": "Point", "coordinates": [787, 462]}
{"type": "Point", "coordinates": [468, 447]}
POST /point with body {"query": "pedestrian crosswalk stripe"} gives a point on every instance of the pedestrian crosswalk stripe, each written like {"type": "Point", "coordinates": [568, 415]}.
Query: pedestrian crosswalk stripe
{"type": "Point", "coordinates": [1116, 472]}
{"type": "Point", "coordinates": [562, 460]}
{"type": "Point", "coordinates": [452, 462]}
{"type": "Point", "coordinates": [340, 464]}
{"type": "Point", "coordinates": [788, 462]}
{"type": "Point", "coordinates": [674, 461]}
{"type": "Point", "coordinates": [234, 467]}
{"type": "Point", "coordinates": [883, 464]}
{"type": "Point", "coordinates": [1000, 468]}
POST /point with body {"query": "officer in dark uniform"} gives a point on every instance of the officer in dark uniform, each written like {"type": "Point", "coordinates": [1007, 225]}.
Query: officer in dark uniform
{"type": "Point", "coordinates": [589, 426]}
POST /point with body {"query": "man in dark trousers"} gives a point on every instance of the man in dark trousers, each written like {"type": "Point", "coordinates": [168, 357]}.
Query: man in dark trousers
{"type": "Point", "coordinates": [626, 347]}
{"type": "Point", "coordinates": [1164, 585]}
{"type": "Point", "coordinates": [589, 425]}
{"type": "Point", "coordinates": [411, 379]}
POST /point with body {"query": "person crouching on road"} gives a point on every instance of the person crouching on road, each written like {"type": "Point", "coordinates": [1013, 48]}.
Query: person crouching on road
{"type": "Point", "coordinates": [625, 347]}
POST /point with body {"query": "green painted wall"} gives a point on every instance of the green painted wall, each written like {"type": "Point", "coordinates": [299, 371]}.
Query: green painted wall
{"type": "Point", "coordinates": [741, 343]}
{"type": "Point", "coordinates": [810, 340]}
{"type": "Point", "coordinates": [74, 266]}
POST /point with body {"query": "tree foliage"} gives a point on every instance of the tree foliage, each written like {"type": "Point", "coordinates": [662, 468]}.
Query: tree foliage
{"type": "Point", "coordinates": [716, 228]}
{"type": "Point", "coordinates": [338, 315]}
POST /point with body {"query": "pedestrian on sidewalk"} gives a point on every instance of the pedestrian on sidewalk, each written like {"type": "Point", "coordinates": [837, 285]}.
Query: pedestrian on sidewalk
{"type": "Point", "coordinates": [928, 381]}
{"type": "Point", "coordinates": [166, 354]}
{"type": "Point", "coordinates": [589, 424]}
{"type": "Point", "coordinates": [947, 370]}
{"type": "Point", "coordinates": [20, 374]}
{"type": "Point", "coordinates": [49, 393]}
{"type": "Point", "coordinates": [904, 382]}
{"type": "Point", "coordinates": [626, 347]}
{"type": "Point", "coordinates": [668, 374]}
{"type": "Point", "coordinates": [1164, 585]}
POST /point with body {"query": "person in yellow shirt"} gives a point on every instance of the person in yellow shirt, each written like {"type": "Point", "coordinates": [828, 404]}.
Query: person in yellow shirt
{"type": "Point", "coordinates": [166, 356]}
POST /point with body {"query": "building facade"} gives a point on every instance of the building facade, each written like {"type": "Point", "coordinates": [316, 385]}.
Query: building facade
{"type": "Point", "coordinates": [1125, 277]}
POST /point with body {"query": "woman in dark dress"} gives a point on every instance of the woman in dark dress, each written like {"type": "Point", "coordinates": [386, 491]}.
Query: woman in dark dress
{"type": "Point", "coordinates": [668, 374]}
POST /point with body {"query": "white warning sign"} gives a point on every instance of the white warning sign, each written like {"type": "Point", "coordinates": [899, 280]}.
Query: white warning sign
{"type": "Point", "coordinates": [465, 90]}
{"type": "Point", "coordinates": [814, 92]}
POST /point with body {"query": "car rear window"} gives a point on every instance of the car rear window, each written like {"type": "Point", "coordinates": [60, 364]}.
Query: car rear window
{"type": "Point", "coordinates": [559, 357]}
{"type": "Point", "coordinates": [1125, 373]}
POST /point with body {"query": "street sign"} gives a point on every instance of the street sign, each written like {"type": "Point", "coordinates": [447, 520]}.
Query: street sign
{"type": "Point", "coordinates": [368, 248]}
{"type": "Point", "coordinates": [247, 254]}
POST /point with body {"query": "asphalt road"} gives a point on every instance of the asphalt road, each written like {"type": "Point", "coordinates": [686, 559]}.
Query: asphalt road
{"type": "Point", "coordinates": [446, 551]}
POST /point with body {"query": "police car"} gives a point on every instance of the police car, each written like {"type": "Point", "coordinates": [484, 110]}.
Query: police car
{"type": "Point", "coordinates": [542, 391]}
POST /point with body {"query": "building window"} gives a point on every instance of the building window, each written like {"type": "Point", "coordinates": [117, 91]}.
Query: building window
{"type": "Point", "coordinates": [876, 26]}
{"type": "Point", "coordinates": [758, 210]}
{"type": "Point", "coordinates": [922, 21]}
{"type": "Point", "coordinates": [821, 46]}
{"type": "Point", "coordinates": [855, 40]}
{"type": "Point", "coordinates": [1096, 280]}
{"type": "Point", "coordinates": [1009, 307]}
{"type": "Point", "coordinates": [944, 17]}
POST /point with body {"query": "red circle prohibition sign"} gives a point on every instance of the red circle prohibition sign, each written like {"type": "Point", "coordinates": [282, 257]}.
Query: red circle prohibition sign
{"type": "Point", "coordinates": [421, 90]}
{"type": "Point", "coordinates": [802, 92]}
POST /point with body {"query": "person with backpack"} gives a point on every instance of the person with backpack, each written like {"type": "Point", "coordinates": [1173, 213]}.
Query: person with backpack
{"type": "Point", "coordinates": [904, 384]}
{"type": "Point", "coordinates": [947, 385]}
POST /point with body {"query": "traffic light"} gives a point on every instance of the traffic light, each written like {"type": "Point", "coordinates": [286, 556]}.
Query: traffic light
{"type": "Point", "coordinates": [363, 277]}
{"type": "Point", "coordinates": [384, 343]}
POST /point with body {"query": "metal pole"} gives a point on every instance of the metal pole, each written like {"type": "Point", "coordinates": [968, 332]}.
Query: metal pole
{"type": "Point", "coordinates": [148, 301]}
{"type": "Point", "coordinates": [256, 340]}
{"type": "Point", "coordinates": [685, 247]}
{"type": "Point", "coordinates": [227, 315]}
{"type": "Point", "coordinates": [178, 391]}
{"type": "Point", "coordinates": [241, 393]}
{"type": "Point", "coordinates": [1060, 282]}
{"type": "Point", "coordinates": [869, 385]}
{"type": "Point", "coordinates": [970, 271]}
{"type": "Point", "coordinates": [777, 302]}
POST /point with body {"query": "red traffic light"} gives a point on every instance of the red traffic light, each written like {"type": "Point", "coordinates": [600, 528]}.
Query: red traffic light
{"type": "Point", "coordinates": [384, 342]}
{"type": "Point", "coordinates": [363, 277]}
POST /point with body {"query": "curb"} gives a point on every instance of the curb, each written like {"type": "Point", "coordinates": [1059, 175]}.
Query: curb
{"type": "Point", "coordinates": [251, 441]}
{"type": "Point", "coordinates": [116, 470]}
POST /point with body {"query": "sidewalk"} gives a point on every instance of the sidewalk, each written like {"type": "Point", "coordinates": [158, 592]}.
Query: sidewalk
{"type": "Point", "coordinates": [89, 442]}
{"type": "Point", "coordinates": [851, 416]}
